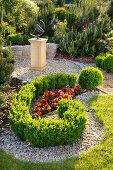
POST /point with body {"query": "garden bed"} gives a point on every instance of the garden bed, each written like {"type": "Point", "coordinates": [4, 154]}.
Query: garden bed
{"type": "Point", "coordinates": [23, 151]}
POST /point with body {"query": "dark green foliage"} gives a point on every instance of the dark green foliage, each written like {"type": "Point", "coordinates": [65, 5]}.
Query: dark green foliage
{"type": "Point", "coordinates": [60, 13]}
{"type": "Point", "coordinates": [100, 60]}
{"type": "Point", "coordinates": [110, 10]}
{"type": "Point", "coordinates": [6, 66]}
{"type": "Point", "coordinates": [86, 39]}
{"type": "Point", "coordinates": [47, 14]}
{"type": "Point", "coordinates": [72, 78]}
{"type": "Point", "coordinates": [15, 39]}
{"type": "Point", "coordinates": [108, 63]}
{"type": "Point", "coordinates": [61, 80]}
{"type": "Point", "coordinates": [59, 2]}
{"type": "Point", "coordinates": [90, 78]}
{"type": "Point", "coordinates": [25, 39]}
{"type": "Point", "coordinates": [42, 132]}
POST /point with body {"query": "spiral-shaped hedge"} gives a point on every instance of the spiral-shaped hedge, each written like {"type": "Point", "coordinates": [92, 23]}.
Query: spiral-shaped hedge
{"type": "Point", "coordinates": [41, 132]}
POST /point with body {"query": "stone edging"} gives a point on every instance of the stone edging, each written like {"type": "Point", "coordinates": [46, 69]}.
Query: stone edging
{"type": "Point", "coordinates": [24, 51]}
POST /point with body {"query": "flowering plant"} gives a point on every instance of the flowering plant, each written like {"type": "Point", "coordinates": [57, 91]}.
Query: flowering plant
{"type": "Point", "coordinates": [50, 99]}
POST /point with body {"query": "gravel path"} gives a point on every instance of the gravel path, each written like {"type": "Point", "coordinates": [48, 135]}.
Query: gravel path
{"type": "Point", "coordinates": [19, 149]}
{"type": "Point", "coordinates": [22, 68]}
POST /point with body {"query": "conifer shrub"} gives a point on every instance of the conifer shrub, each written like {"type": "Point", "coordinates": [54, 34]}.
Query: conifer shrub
{"type": "Point", "coordinates": [90, 78]}
{"type": "Point", "coordinates": [6, 66]}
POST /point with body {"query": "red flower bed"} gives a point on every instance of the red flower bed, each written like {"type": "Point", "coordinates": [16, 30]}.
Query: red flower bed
{"type": "Point", "coordinates": [50, 99]}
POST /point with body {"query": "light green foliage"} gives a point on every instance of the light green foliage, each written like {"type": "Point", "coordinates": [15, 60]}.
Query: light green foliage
{"type": "Point", "coordinates": [99, 157]}
{"type": "Point", "coordinates": [100, 60]}
{"type": "Point", "coordinates": [105, 61]}
{"type": "Point", "coordinates": [7, 29]}
{"type": "Point", "coordinates": [37, 131]}
{"type": "Point", "coordinates": [108, 63]}
{"type": "Point", "coordinates": [30, 8]}
{"type": "Point", "coordinates": [57, 81]}
{"type": "Point", "coordinates": [90, 78]}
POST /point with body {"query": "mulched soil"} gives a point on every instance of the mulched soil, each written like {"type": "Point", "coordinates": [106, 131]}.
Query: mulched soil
{"type": "Point", "coordinates": [14, 87]}
{"type": "Point", "coordinates": [82, 59]}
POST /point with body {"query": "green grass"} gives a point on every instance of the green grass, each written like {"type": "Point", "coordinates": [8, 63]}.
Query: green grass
{"type": "Point", "coordinates": [98, 158]}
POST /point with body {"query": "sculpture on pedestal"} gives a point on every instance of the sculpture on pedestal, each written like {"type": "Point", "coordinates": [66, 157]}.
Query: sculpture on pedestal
{"type": "Point", "coordinates": [39, 31]}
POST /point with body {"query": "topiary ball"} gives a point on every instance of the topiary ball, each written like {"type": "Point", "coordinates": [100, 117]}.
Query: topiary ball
{"type": "Point", "coordinates": [108, 64]}
{"type": "Point", "coordinates": [100, 60]}
{"type": "Point", "coordinates": [90, 78]}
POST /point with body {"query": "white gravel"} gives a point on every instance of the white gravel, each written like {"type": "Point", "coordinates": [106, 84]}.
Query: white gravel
{"type": "Point", "coordinates": [91, 137]}
{"type": "Point", "coordinates": [22, 68]}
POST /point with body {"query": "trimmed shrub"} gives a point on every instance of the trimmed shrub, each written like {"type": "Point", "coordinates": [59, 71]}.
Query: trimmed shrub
{"type": "Point", "coordinates": [90, 78]}
{"type": "Point", "coordinates": [6, 66]}
{"type": "Point", "coordinates": [42, 132]}
{"type": "Point", "coordinates": [105, 61]}
{"type": "Point", "coordinates": [61, 80]}
{"type": "Point", "coordinates": [108, 63]}
{"type": "Point", "coordinates": [57, 81]}
{"type": "Point", "coordinates": [15, 39]}
{"type": "Point", "coordinates": [100, 60]}
{"type": "Point", "coordinates": [25, 39]}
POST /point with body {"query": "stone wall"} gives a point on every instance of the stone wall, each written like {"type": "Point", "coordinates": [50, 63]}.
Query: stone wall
{"type": "Point", "coordinates": [24, 51]}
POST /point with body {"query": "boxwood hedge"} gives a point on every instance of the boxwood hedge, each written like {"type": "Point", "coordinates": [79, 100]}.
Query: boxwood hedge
{"type": "Point", "coordinates": [41, 132]}
{"type": "Point", "coordinates": [105, 61]}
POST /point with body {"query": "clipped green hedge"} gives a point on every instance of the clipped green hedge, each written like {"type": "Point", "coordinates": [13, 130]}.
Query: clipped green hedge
{"type": "Point", "coordinates": [105, 61]}
{"type": "Point", "coordinates": [100, 60]}
{"type": "Point", "coordinates": [54, 81]}
{"type": "Point", "coordinates": [90, 78]}
{"type": "Point", "coordinates": [41, 132]}
{"type": "Point", "coordinates": [108, 64]}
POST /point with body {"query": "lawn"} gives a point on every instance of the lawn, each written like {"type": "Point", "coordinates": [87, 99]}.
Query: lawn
{"type": "Point", "coordinates": [98, 158]}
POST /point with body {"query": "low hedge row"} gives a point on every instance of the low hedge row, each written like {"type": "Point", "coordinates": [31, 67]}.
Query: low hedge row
{"type": "Point", "coordinates": [17, 39]}
{"type": "Point", "coordinates": [41, 132]}
{"type": "Point", "coordinates": [55, 81]}
{"type": "Point", "coordinates": [105, 61]}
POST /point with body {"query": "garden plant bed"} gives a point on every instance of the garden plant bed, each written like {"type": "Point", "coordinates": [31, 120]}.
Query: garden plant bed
{"type": "Point", "coordinates": [7, 94]}
{"type": "Point", "coordinates": [23, 151]}
{"type": "Point", "coordinates": [82, 59]}
{"type": "Point", "coordinates": [72, 113]}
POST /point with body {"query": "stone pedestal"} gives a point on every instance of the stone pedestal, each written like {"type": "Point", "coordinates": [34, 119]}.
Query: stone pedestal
{"type": "Point", "coordinates": [38, 53]}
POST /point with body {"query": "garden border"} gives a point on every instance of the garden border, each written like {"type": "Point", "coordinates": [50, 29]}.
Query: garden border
{"type": "Point", "coordinates": [37, 132]}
